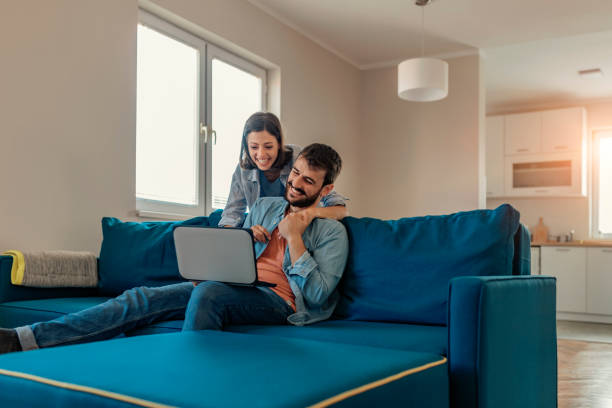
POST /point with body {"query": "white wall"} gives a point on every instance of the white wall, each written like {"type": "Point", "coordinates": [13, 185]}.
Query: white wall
{"type": "Point", "coordinates": [420, 158]}
{"type": "Point", "coordinates": [563, 214]}
{"type": "Point", "coordinates": [67, 124]}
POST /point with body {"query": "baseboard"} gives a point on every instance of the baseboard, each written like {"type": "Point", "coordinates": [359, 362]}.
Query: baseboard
{"type": "Point", "coordinates": [584, 317]}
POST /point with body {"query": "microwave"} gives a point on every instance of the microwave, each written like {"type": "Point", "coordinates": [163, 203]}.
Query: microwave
{"type": "Point", "coordinates": [545, 174]}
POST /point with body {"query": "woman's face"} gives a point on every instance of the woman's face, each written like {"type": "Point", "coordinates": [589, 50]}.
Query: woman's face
{"type": "Point", "coordinates": [263, 149]}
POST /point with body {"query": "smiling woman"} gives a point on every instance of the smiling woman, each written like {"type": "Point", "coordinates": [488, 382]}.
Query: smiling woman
{"type": "Point", "coordinates": [263, 148]}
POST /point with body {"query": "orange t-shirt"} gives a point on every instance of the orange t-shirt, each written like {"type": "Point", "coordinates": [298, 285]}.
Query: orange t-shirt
{"type": "Point", "coordinates": [270, 267]}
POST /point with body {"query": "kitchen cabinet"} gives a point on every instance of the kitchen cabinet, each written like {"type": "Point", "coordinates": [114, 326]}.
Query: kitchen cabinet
{"type": "Point", "coordinates": [563, 130]}
{"type": "Point", "coordinates": [543, 154]}
{"type": "Point", "coordinates": [599, 280]}
{"type": "Point", "coordinates": [523, 133]}
{"type": "Point", "coordinates": [494, 151]}
{"type": "Point", "coordinates": [568, 265]}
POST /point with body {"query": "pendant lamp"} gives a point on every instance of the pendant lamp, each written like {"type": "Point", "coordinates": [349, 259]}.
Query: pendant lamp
{"type": "Point", "coordinates": [422, 79]}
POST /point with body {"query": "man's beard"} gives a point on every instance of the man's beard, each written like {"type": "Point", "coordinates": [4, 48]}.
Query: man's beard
{"type": "Point", "coordinates": [304, 202]}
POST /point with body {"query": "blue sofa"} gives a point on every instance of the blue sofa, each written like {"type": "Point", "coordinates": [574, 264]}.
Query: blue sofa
{"type": "Point", "coordinates": [436, 311]}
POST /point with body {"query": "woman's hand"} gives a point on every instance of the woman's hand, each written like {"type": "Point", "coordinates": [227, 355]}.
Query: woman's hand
{"type": "Point", "coordinates": [308, 214]}
{"type": "Point", "coordinates": [260, 234]}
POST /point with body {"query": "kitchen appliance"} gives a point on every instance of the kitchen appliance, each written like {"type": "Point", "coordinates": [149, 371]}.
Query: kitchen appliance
{"type": "Point", "coordinates": [553, 174]}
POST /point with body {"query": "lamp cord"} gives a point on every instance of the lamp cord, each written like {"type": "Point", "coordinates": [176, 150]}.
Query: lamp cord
{"type": "Point", "coordinates": [422, 31]}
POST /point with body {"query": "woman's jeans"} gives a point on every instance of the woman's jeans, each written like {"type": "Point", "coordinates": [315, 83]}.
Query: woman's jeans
{"type": "Point", "coordinates": [210, 305]}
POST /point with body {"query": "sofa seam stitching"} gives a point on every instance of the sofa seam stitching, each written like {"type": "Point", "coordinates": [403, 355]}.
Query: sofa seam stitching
{"type": "Point", "coordinates": [82, 388]}
{"type": "Point", "coordinates": [343, 396]}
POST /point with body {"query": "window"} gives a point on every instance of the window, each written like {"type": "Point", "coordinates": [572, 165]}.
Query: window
{"type": "Point", "coordinates": [231, 106]}
{"type": "Point", "coordinates": [602, 184]}
{"type": "Point", "coordinates": [192, 101]}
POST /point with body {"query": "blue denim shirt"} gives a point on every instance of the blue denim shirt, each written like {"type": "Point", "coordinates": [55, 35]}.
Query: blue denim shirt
{"type": "Point", "coordinates": [314, 276]}
{"type": "Point", "coordinates": [245, 189]}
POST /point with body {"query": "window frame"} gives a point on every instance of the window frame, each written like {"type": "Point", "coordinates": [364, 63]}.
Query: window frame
{"type": "Point", "coordinates": [597, 135]}
{"type": "Point", "coordinates": [167, 210]}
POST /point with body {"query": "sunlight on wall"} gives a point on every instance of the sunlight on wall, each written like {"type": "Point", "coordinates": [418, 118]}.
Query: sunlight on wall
{"type": "Point", "coordinates": [605, 183]}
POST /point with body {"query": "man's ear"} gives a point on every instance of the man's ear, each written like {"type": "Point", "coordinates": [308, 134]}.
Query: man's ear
{"type": "Point", "coordinates": [326, 190]}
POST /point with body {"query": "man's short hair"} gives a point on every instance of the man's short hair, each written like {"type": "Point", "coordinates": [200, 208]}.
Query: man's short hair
{"type": "Point", "coordinates": [321, 156]}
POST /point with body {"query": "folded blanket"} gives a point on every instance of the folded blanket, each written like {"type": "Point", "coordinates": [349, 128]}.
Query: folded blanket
{"type": "Point", "coordinates": [54, 269]}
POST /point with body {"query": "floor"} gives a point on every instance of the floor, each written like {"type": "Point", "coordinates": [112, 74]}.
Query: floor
{"type": "Point", "coordinates": [584, 331]}
{"type": "Point", "coordinates": [585, 365]}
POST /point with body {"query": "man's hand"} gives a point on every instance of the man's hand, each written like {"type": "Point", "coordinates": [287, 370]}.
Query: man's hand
{"type": "Point", "coordinates": [260, 234]}
{"type": "Point", "coordinates": [294, 225]}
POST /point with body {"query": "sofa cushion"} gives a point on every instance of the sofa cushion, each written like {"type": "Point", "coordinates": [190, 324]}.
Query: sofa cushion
{"type": "Point", "coordinates": [399, 270]}
{"type": "Point", "coordinates": [399, 336]}
{"type": "Point", "coordinates": [23, 312]}
{"type": "Point", "coordinates": [212, 369]}
{"type": "Point", "coordinates": [427, 338]}
{"type": "Point", "coordinates": [140, 253]}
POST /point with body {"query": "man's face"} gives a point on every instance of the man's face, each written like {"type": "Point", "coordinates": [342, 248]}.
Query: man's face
{"type": "Point", "coordinates": [305, 184]}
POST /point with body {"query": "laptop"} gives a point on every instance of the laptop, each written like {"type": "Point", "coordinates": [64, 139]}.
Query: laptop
{"type": "Point", "coordinates": [217, 254]}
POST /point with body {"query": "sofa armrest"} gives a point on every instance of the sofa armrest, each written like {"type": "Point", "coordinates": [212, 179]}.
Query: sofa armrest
{"type": "Point", "coordinates": [502, 341]}
{"type": "Point", "coordinates": [10, 292]}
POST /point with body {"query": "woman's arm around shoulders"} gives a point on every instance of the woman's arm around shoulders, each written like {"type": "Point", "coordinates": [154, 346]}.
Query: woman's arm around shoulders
{"type": "Point", "coordinates": [336, 212]}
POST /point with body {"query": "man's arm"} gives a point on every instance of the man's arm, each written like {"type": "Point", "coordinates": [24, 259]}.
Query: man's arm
{"type": "Point", "coordinates": [260, 234]}
{"type": "Point", "coordinates": [316, 274]}
{"type": "Point", "coordinates": [292, 228]}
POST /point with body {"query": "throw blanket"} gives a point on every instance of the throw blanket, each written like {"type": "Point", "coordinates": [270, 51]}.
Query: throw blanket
{"type": "Point", "coordinates": [53, 269]}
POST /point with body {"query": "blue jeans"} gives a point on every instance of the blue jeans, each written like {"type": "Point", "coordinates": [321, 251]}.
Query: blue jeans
{"type": "Point", "coordinates": [210, 305]}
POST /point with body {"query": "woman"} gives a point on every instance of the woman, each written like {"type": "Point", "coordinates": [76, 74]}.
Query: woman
{"type": "Point", "coordinates": [265, 164]}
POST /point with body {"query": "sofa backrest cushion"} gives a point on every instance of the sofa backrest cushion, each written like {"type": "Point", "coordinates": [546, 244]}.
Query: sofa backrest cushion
{"type": "Point", "coordinates": [399, 270]}
{"type": "Point", "coordinates": [140, 253]}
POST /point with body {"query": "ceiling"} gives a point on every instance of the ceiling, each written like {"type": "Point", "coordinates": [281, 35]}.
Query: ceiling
{"type": "Point", "coordinates": [532, 49]}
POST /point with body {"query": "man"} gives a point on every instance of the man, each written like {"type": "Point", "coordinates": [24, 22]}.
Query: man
{"type": "Point", "coordinates": [304, 257]}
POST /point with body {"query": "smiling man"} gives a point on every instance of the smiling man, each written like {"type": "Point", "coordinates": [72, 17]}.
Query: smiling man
{"type": "Point", "coordinates": [303, 257]}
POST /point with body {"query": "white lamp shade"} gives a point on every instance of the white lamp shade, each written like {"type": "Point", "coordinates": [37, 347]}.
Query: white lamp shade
{"type": "Point", "coordinates": [422, 79]}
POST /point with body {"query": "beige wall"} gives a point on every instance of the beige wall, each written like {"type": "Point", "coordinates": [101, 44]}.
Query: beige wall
{"type": "Point", "coordinates": [420, 158]}
{"type": "Point", "coordinates": [563, 214]}
{"type": "Point", "coordinates": [560, 215]}
{"type": "Point", "coordinates": [67, 120]}
{"type": "Point", "coordinates": [68, 117]}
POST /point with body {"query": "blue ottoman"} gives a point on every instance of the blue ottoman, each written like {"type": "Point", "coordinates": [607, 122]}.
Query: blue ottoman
{"type": "Point", "coordinates": [212, 369]}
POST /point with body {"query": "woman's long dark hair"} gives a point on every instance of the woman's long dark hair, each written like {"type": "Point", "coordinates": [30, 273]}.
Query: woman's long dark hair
{"type": "Point", "coordinates": [258, 122]}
